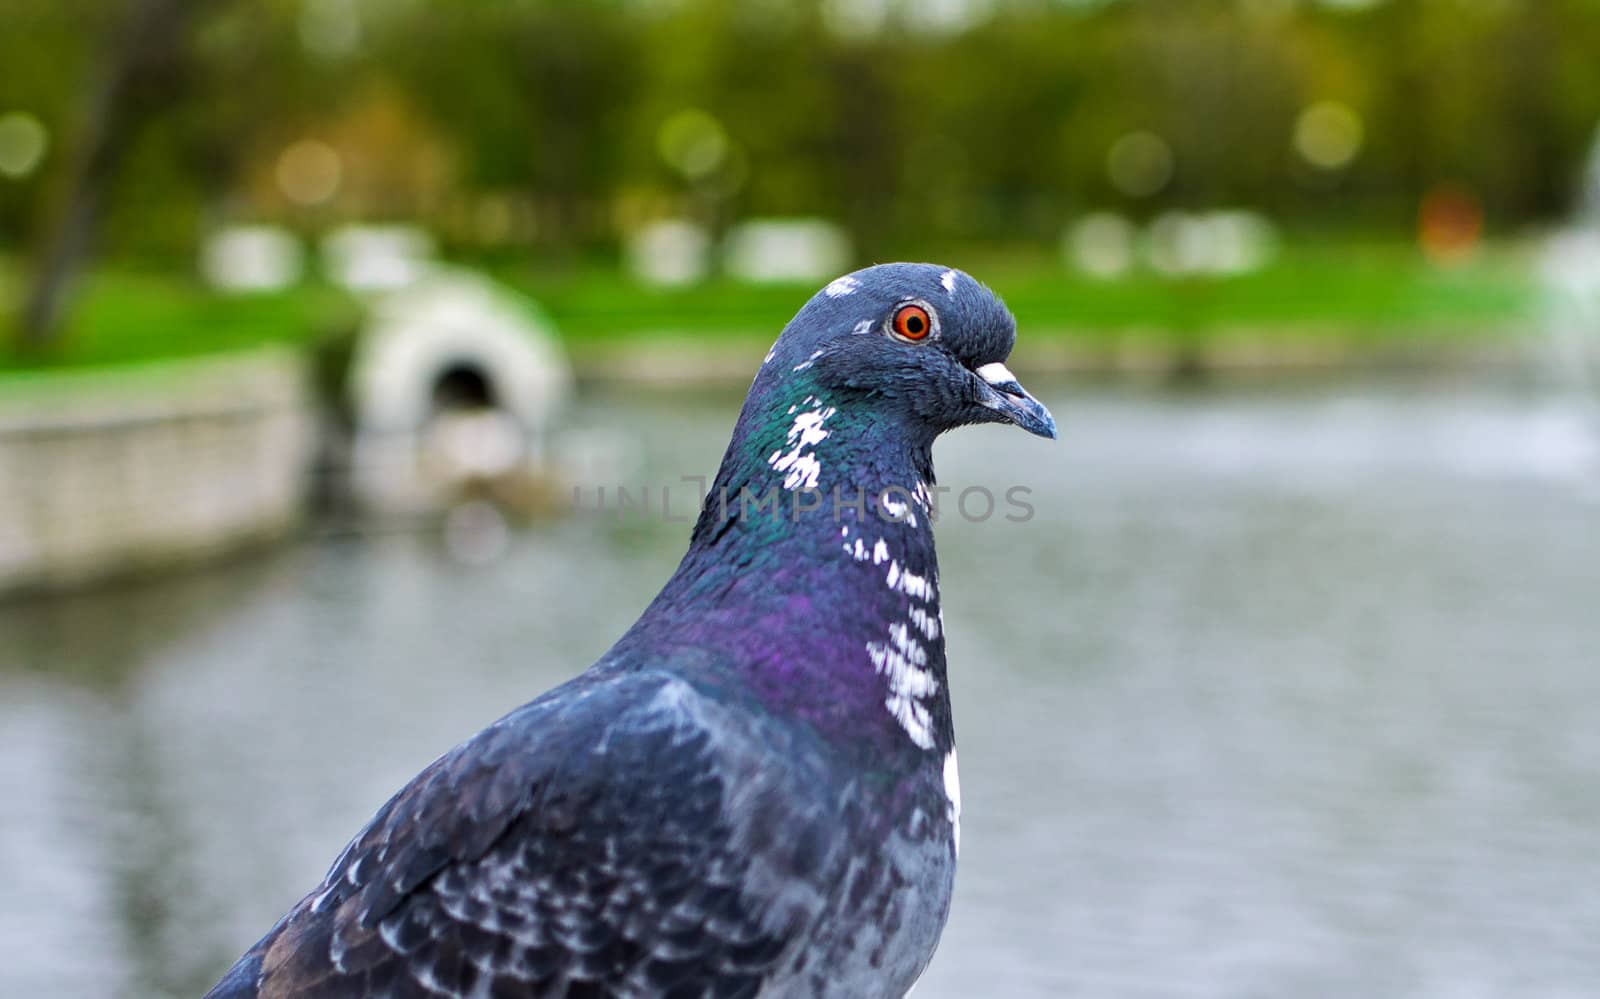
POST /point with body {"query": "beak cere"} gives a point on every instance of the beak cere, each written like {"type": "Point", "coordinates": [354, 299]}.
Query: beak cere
{"type": "Point", "coordinates": [1012, 403]}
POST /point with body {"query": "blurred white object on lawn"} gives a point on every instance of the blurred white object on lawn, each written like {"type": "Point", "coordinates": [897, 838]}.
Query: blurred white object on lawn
{"type": "Point", "coordinates": [671, 253]}
{"type": "Point", "coordinates": [251, 258]}
{"type": "Point", "coordinates": [371, 258]}
{"type": "Point", "coordinates": [772, 251]}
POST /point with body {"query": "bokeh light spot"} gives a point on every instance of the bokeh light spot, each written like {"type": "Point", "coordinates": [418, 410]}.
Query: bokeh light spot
{"type": "Point", "coordinates": [1450, 224]}
{"type": "Point", "coordinates": [309, 172]}
{"type": "Point", "coordinates": [855, 19]}
{"type": "Point", "coordinates": [1328, 135]}
{"type": "Point", "coordinates": [23, 143]}
{"type": "Point", "coordinates": [330, 28]}
{"type": "Point", "coordinates": [693, 143]}
{"type": "Point", "coordinates": [948, 17]}
{"type": "Point", "coordinates": [1140, 164]}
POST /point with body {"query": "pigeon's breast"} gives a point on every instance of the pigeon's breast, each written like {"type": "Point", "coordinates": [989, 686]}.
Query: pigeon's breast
{"type": "Point", "coordinates": [889, 899]}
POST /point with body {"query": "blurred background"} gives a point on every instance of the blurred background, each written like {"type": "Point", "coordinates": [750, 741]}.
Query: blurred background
{"type": "Point", "coordinates": [332, 333]}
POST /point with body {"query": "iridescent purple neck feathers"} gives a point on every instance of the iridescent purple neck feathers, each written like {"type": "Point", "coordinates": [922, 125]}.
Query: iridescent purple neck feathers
{"type": "Point", "coordinates": [811, 580]}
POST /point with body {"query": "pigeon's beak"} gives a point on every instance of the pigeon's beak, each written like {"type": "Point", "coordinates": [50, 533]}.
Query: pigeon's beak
{"type": "Point", "coordinates": [1012, 403]}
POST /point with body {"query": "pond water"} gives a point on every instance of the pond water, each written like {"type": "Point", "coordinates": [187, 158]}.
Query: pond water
{"type": "Point", "coordinates": [1278, 693]}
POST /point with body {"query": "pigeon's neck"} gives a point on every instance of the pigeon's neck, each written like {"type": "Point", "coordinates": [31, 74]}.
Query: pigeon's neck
{"type": "Point", "coordinates": [811, 579]}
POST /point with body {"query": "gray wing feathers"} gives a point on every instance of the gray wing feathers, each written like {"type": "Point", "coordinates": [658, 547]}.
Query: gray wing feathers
{"type": "Point", "coordinates": [619, 836]}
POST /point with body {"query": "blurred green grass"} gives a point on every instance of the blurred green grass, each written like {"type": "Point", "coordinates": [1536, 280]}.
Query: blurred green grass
{"type": "Point", "coordinates": [1373, 291]}
{"type": "Point", "coordinates": [1358, 294]}
{"type": "Point", "coordinates": [123, 316]}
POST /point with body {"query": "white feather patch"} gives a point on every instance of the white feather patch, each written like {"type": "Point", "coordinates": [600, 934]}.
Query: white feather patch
{"type": "Point", "coordinates": [840, 287]}
{"type": "Point", "coordinates": [908, 683]}
{"type": "Point", "coordinates": [952, 795]}
{"type": "Point", "coordinates": [808, 362]}
{"type": "Point", "coordinates": [800, 466]}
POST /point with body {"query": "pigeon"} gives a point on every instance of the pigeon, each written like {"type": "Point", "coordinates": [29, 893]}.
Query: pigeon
{"type": "Point", "coordinates": [755, 791]}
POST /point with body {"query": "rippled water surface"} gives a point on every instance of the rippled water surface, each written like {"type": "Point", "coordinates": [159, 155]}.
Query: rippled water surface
{"type": "Point", "coordinates": [1278, 694]}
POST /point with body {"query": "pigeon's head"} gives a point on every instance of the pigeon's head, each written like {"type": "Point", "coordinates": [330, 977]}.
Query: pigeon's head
{"type": "Point", "coordinates": [921, 345]}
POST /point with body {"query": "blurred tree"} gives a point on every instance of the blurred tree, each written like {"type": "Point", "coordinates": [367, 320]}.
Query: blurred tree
{"type": "Point", "coordinates": [141, 67]}
{"type": "Point", "coordinates": [44, 48]}
{"type": "Point", "coordinates": [535, 95]}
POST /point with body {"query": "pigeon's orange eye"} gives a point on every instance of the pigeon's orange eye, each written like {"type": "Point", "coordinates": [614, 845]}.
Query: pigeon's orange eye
{"type": "Point", "coordinates": [912, 322]}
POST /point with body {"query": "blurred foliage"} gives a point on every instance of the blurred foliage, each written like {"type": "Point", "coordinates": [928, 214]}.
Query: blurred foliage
{"type": "Point", "coordinates": [521, 125]}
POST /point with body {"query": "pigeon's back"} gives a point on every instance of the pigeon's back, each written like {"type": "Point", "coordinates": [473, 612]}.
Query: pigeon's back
{"type": "Point", "coordinates": [623, 835]}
